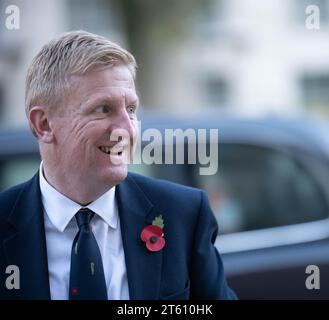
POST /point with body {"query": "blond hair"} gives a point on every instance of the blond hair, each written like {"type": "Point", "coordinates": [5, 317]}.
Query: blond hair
{"type": "Point", "coordinates": [72, 53]}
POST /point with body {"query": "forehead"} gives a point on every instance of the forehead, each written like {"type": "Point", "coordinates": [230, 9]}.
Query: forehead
{"type": "Point", "coordinates": [113, 83]}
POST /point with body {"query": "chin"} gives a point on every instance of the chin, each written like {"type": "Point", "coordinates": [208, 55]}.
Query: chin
{"type": "Point", "coordinates": [116, 174]}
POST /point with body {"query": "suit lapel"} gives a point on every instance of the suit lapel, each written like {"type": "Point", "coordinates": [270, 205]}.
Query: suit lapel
{"type": "Point", "coordinates": [26, 247]}
{"type": "Point", "coordinates": [143, 266]}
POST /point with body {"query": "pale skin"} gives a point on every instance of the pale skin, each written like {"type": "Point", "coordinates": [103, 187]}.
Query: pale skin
{"type": "Point", "coordinates": [73, 142]}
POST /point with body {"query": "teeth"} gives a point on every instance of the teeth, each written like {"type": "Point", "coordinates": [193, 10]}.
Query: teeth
{"type": "Point", "coordinates": [108, 150]}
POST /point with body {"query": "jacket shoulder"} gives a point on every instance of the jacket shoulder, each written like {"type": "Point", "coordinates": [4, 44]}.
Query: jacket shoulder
{"type": "Point", "coordinates": [170, 196]}
{"type": "Point", "coordinates": [163, 187]}
{"type": "Point", "coordinates": [9, 197]}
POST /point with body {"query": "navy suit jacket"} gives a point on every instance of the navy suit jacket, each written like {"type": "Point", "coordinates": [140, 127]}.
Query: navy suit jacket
{"type": "Point", "coordinates": [188, 267]}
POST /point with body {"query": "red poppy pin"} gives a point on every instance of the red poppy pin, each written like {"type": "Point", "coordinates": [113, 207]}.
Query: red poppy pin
{"type": "Point", "coordinates": [152, 235]}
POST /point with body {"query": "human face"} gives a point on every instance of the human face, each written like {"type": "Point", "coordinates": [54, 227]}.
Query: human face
{"type": "Point", "coordinates": [103, 103]}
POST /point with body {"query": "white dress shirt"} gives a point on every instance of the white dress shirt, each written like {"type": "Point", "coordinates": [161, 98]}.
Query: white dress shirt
{"type": "Point", "coordinates": [61, 229]}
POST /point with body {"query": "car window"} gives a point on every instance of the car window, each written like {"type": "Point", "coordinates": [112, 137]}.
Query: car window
{"type": "Point", "coordinates": [258, 187]}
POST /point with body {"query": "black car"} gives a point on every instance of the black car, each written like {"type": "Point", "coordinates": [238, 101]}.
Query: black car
{"type": "Point", "coordinates": [270, 196]}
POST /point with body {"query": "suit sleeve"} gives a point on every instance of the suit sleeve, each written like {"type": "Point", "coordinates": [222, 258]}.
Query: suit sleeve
{"type": "Point", "coordinates": [207, 271]}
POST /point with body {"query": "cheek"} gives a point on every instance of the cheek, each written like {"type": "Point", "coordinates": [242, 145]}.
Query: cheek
{"type": "Point", "coordinates": [63, 135]}
{"type": "Point", "coordinates": [135, 130]}
{"type": "Point", "coordinates": [86, 134]}
{"type": "Point", "coordinates": [75, 145]}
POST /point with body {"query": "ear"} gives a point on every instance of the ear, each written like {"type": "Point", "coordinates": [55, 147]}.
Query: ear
{"type": "Point", "coordinates": [40, 124]}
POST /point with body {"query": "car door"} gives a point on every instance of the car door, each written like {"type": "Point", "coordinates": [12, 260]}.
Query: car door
{"type": "Point", "coordinates": [271, 203]}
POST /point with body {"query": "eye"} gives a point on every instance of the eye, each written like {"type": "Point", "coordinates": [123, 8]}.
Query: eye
{"type": "Point", "coordinates": [102, 109]}
{"type": "Point", "coordinates": [131, 109]}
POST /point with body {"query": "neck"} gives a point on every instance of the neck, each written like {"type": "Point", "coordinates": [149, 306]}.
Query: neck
{"type": "Point", "coordinates": [73, 188]}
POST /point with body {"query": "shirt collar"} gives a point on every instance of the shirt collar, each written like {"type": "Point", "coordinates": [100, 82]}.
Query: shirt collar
{"type": "Point", "coordinates": [60, 209]}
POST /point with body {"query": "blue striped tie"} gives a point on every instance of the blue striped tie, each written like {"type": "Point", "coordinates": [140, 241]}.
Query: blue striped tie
{"type": "Point", "coordinates": [87, 281]}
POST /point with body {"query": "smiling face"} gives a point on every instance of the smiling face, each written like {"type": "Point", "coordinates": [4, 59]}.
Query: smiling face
{"type": "Point", "coordinates": [85, 154]}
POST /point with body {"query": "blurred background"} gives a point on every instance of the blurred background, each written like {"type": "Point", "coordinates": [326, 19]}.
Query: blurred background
{"type": "Point", "coordinates": [256, 70]}
{"type": "Point", "coordinates": [248, 57]}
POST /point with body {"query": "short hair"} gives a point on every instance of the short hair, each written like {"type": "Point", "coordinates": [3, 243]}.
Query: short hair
{"type": "Point", "coordinates": [71, 53]}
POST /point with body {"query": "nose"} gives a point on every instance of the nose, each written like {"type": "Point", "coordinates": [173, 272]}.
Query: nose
{"type": "Point", "coordinates": [124, 127]}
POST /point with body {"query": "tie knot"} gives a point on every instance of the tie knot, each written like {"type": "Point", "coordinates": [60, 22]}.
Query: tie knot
{"type": "Point", "coordinates": [84, 216]}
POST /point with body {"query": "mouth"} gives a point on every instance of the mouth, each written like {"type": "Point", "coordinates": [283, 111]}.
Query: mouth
{"type": "Point", "coordinates": [115, 150]}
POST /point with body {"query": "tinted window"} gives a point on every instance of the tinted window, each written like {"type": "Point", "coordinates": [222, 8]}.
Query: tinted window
{"type": "Point", "coordinates": [258, 187]}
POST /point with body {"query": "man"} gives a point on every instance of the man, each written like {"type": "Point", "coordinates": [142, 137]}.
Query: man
{"type": "Point", "coordinates": [82, 228]}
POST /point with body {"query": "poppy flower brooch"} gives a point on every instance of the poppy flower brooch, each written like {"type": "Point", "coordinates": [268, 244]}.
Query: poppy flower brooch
{"type": "Point", "coordinates": [152, 235]}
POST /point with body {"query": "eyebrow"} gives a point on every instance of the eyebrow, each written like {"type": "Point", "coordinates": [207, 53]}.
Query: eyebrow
{"type": "Point", "coordinates": [91, 100]}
